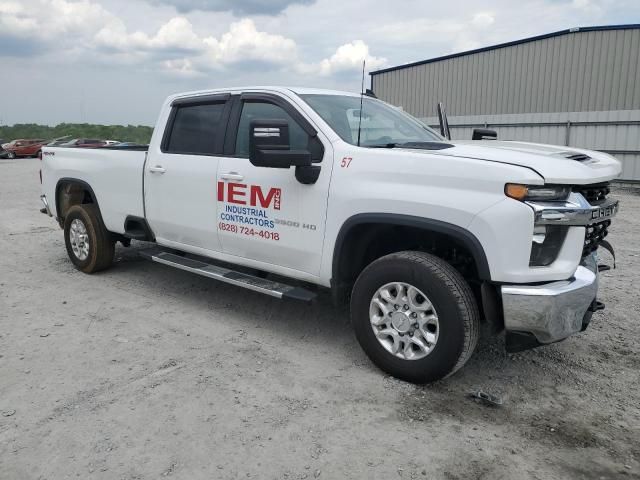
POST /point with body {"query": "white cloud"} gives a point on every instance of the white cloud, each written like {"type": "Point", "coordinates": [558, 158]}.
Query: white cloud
{"type": "Point", "coordinates": [13, 18]}
{"type": "Point", "coordinates": [83, 27]}
{"type": "Point", "coordinates": [483, 19]}
{"type": "Point", "coordinates": [181, 67]}
{"type": "Point", "coordinates": [588, 6]}
{"type": "Point", "coordinates": [347, 57]}
{"type": "Point", "coordinates": [244, 43]}
{"type": "Point", "coordinates": [175, 35]}
{"type": "Point", "coordinates": [52, 18]}
{"type": "Point", "coordinates": [350, 57]}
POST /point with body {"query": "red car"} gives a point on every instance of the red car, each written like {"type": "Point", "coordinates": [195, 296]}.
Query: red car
{"type": "Point", "coordinates": [23, 147]}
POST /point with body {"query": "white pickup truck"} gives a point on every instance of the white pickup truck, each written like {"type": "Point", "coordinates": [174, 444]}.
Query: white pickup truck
{"type": "Point", "coordinates": [285, 191]}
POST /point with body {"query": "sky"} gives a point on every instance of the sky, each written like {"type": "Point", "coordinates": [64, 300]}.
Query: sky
{"type": "Point", "coordinates": [114, 61]}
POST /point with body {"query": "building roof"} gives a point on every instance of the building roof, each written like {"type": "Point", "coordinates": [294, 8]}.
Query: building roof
{"type": "Point", "coordinates": [510, 44]}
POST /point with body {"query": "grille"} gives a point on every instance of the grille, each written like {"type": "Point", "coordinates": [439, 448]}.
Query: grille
{"type": "Point", "coordinates": [595, 194]}
{"type": "Point", "coordinates": [594, 236]}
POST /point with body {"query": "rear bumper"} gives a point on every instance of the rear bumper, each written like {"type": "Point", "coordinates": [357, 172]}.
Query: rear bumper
{"type": "Point", "coordinates": [553, 311]}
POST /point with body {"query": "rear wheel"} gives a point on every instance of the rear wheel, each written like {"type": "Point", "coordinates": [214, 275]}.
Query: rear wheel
{"type": "Point", "coordinates": [415, 316]}
{"type": "Point", "coordinates": [89, 244]}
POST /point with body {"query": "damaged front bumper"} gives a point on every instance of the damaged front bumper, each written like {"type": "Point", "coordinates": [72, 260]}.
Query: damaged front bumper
{"type": "Point", "coordinates": [540, 314]}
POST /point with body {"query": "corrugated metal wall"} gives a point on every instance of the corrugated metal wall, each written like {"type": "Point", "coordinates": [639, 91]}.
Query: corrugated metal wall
{"type": "Point", "coordinates": [616, 132]}
{"type": "Point", "coordinates": [575, 72]}
{"type": "Point", "coordinates": [594, 74]}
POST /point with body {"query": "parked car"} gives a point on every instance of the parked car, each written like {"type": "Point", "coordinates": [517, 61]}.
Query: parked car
{"type": "Point", "coordinates": [423, 237]}
{"type": "Point", "coordinates": [85, 143]}
{"type": "Point", "coordinates": [53, 143]}
{"type": "Point", "coordinates": [58, 141]}
{"type": "Point", "coordinates": [23, 147]}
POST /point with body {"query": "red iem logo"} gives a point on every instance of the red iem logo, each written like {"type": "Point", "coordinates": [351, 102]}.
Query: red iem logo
{"type": "Point", "coordinates": [252, 195]}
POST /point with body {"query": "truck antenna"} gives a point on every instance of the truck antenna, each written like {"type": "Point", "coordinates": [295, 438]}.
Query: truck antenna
{"type": "Point", "coordinates": [361, 97]}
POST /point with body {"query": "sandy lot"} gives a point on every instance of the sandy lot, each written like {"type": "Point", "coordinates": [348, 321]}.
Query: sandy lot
{"type": "Point", "coordinates": [148, 372]}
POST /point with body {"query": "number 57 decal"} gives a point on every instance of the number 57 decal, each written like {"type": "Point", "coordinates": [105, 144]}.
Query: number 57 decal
{"type": "Point", "coordinates": [346, 161]}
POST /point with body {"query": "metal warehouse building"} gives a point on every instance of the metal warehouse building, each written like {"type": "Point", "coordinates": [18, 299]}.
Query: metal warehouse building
{"type": "Point", "coordinates": [577, 87]}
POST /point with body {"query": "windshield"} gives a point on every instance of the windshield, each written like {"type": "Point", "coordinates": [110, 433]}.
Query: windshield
{"type": "Point", "coordinates": [382, 124]}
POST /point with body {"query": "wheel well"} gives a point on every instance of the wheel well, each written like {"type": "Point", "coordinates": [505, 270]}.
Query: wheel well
{"type": "Point", "coordinates": [365, 239]}
{"type": "Point", "coordinates": [367, 242]}
{"type": "Point", "coordinates": [70, 192]}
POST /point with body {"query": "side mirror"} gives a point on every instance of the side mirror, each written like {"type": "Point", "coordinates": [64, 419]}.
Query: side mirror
{"type": "Point", "coordinates": [269, 146]}
{"type": "Point", "coordinates": [484, 133]}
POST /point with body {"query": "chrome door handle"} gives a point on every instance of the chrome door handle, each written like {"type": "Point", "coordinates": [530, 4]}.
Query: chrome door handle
{"type": "Point", "coordinates": [232, 176]}
{"type": "Point", "coordinates": [157, 169]}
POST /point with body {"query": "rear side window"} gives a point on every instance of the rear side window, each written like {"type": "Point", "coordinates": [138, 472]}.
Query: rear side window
{"type": "Point", "coordinates": [196, 129]}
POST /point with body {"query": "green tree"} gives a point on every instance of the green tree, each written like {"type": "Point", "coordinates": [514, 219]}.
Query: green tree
{"type": "Point", "coordinates": [128, 133]}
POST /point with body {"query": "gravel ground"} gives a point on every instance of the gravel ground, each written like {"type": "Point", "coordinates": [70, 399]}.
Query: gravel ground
{"type": "Point", "coordinates": [143, 371]}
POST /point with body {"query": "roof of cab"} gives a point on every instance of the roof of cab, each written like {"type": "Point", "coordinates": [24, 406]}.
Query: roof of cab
{"type": "Point", "coordinates": [284, 90]}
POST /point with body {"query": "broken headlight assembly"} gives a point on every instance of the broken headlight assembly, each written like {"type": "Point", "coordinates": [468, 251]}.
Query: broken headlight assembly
{"type": "Point", "coordinates": [546, 240]}
{"type": "Point", "coordinates": [546, 244]}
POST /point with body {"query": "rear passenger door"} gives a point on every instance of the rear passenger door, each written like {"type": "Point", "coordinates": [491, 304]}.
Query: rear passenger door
{"type": "Point", "coordinates": [180, 175]}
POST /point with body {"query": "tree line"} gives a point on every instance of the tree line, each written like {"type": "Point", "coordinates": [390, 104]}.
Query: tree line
{"type": "Point", "coordinates": [128, 133]}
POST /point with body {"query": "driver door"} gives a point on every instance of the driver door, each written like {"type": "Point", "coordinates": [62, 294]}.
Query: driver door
{"type": "Point", "coordinates": [265, 214]}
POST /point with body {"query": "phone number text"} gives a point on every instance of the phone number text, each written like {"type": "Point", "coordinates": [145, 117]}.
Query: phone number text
{"type": "Point", "coordinates": [252, 232]}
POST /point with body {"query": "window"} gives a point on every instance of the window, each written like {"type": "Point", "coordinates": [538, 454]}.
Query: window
{"type": "Point", "coordinates": [196, 129]}
{"type": "Point", "coordinates": [379, 123]}
{"type": "Point", "coordinates": [298, 138]}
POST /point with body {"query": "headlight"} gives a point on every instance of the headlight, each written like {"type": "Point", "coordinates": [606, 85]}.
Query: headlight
{"type": "Point", "coordinates": [537, 192]}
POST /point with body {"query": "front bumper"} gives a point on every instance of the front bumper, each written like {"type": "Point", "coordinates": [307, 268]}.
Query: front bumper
{"type": "Point", "coordinates": [552, 311]}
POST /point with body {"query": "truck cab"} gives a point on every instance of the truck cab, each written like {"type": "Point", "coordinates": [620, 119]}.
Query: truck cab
{"type": "Point", "coordinates": [423, 237]}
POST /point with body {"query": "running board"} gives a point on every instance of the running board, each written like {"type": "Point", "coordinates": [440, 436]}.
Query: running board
{"type": "Point", "coordinates": [261, 285]}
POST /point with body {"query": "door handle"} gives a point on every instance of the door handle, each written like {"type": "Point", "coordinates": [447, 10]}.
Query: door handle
{"type": "Point", "coordinates": [232, 176]}
{"type": "Point", "coordinates": [157, 169]}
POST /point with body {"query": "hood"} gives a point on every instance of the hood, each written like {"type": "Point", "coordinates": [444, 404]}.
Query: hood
{"type": "Point", "coordinates": [555, 163]}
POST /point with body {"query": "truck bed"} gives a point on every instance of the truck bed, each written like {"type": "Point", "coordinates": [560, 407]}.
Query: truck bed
{"type": "Point", "coordinates": [114, 171]}
{"type": "Point", "coordinates": [132, 148]}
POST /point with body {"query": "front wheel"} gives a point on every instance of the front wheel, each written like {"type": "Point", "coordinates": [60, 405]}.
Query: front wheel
{"type": "Point", "coordinates": [415, 316]}
{"type": "Point", "coordinates": [89, 244]}
{"type": "Point", "coordinates": [11, 155]}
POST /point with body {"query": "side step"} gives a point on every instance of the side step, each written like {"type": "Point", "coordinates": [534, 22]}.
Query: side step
{"type": "Point", "coordinates": [261, 285]}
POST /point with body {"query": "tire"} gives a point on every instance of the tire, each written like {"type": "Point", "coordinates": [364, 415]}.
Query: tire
{"type": "Point", "coordinates": [99, 252]}
{"type": "Point", "coordinates": [11, 155]}
{"type": "Point", "coordinates": [451, 316]}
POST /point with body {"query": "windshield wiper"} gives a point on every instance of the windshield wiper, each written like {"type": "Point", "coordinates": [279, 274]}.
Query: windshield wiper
{"type": "Point", "coordinates": [415, 145]}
